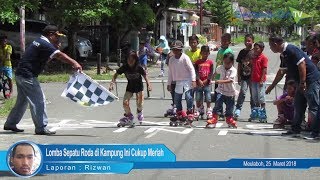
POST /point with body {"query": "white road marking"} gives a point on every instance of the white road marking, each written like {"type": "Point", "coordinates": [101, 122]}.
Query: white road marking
{"type": "Point", "coordinates": [120, 130]}
{"type": "Point", "coordinates": [60, 124]}
{"type": "Point", "coordinates": [150, 130]}
{"type": "Point", "coordinates": [154, 131]}
{"type": "Point", "coordinates": [222, 133]}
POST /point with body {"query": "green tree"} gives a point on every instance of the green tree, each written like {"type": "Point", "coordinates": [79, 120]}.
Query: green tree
{"type": "Point", "coordinates": [221, 11]}
{"type": "Point", "coordinates": [9, 9]}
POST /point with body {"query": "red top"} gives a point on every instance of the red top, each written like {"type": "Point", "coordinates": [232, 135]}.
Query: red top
{"type": "Point", "coordinates": [258, 64]}
{"type": "Point", "coordinates": [204, 69]}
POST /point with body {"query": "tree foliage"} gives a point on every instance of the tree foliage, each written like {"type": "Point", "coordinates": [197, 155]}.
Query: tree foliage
{"type": "Point", "coordinates": [280, 15]}
{"type": "Point", "coordinates": [221, 11]}
{"type": "Point", "coordinates": [9, 9]}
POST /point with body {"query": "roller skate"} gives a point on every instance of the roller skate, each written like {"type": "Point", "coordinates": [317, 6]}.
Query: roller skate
{"type": "Point", "coordinates": [178, 119]}
{"type": "Point", "coordinates": [262, 114]}
{"type": "Point", "coordinates": [127, 120]}
{"type": "Point", "coordinates": [211, 123]}
{"type": "Point", "coordinates": [280, 122]}
{"type": "Point", "coordinates": [174, 121]}
{"type": "Point", "coordinates": [171, 111]}
{"type": "Point", "coordinates": [209, 113]}
{"type": "Point", "coordinates": [254, 114]}
{"type": "Point", "coordinates": [189, 119]}
{"type": "Point", "coordinates": [196, 114]}
{"type": "Point", "coordinates": [236, 114]}
{"type": "Point", "coordinates": [140, 117]}
{"type": "Point", "coordinates": [231, 122]}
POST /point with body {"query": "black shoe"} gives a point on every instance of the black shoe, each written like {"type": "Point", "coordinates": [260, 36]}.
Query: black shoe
{"type": "Point", "coordinates": [14, 129]}
{"type": "Point", "coordinates": [45, 131]}
{"type": "Point", "coordinates": [312, 137]}
{"type": "Point", "coordinates": [291, 133]}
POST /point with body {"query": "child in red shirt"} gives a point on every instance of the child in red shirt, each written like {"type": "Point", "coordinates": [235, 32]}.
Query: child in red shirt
{"type": "Point", "coordinates": [258, 86]}
{"type": "Point", "coordinates": [204, 72]}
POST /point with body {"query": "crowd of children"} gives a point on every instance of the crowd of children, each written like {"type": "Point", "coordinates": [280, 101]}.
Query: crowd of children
{"type": "Point", "coordinates": [193, 74]}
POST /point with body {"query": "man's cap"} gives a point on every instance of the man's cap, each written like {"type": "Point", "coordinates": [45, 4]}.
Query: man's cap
{"type": "Point", "coordinates": [52, 29]}
{"type": "Point", "coordinates": [177, 45]}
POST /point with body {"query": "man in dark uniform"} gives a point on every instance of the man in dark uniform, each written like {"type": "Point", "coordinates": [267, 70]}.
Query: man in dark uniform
{"type": "Point", "coordinates": [28, 87]}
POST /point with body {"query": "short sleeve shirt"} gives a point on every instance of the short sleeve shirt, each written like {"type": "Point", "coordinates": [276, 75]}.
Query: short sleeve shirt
{"type": "Point", "coordinates": [245, 64]}
{"type": "Point", "coordinates": [220, 54]}
{"type": "Point", "coordinates": [194, 56]}
{"type": "Point", "coordinates": [134, 77]}
{"type": "Point", "coordinates": [258, 64]}
{"type": "Point", "coordinates": [293, 56]}
{"type": "Point", "coordinates": [4, 54]}
{"type": "Point", "coordinates": [204, 68]}
{"type": "Point", "coordinates": [227, 89]}
{"type": "Point", "coordinates": [36, 56]}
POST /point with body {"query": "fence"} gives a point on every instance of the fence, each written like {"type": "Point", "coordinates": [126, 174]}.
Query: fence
{"type": "Point", "coordinates": [166, 95]}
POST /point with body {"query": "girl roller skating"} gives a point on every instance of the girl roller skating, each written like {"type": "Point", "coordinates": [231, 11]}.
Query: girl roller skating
{"type": "Point", "coordinates": [225, 91]}
{"type": "Point", "coordinates": [134, 73]}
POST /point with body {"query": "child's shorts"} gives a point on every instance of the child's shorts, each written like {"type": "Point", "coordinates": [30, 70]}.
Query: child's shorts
{"type": "Point", "coordinates": [206, 91]}
{"type": "Point", "coordinates": [7, 71]}
{"type": "Point", "coordinates": [143, 60]}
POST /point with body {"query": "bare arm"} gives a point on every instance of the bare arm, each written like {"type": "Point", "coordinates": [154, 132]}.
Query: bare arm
{"type": "Point", "coordinates": [276, 80]}
{"type": "Point", "coordinates": [113, 81]}
{"type": "Point", "coordinates": [148, 82]}
{"type": "Point", "coordinates": [65, 58]}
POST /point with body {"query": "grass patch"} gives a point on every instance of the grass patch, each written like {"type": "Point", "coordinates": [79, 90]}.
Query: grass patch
{"type": "Point", "coordinates": [6, 107]}
{"type": "Point", "coordinates": [64, 77]}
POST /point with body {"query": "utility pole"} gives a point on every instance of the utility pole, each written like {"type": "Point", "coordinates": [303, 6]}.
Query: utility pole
{"type": "Point", "coordinates": [22, 29]}
{"type": "Point", "coordinates": [201, 15]}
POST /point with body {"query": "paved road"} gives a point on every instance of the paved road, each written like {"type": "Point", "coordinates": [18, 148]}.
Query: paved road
{"type": "Point", "coordinates": [80, 125]}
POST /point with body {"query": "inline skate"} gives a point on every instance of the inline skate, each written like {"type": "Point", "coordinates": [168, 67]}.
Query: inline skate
{"type": "Point", "coordinates": [254, 114]}
{"type": "Point", "coordinates": [262, 114]}
{"type": "Point", "coordinates": [209, 113]}
{"type": "Point", "coordinates": [140, 117]}
{"type": "Point", "coordinates": [211, 123]}
{"type": "Point", "coordinates": [231, 122]}
{"type": "Point", "coordinates": [178, 119]}
{"type": "Point", "coordinates": [237, 114]}
{"type": "Point", "coordinates": [189, 118]}
{"type": "Point", "coordinates": [127, 120]}
{"type": "Point", "coordinates": [171, 111]}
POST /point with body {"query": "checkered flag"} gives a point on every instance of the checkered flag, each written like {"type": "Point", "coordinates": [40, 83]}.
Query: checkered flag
{"type": "Point", "coordinates": [87, 92]}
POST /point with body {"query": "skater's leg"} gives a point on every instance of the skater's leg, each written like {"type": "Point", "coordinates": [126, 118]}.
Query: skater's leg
{"type": "Point", "coordinates": [242, 94]}
{"type": "Point", "coordinates": [177, 101]}
{"type": "Point", "coordinates": [207, 95]}
{"type": "Point", "coordinates": [189, 99]}
{"type": "Point", "coordinates": [198, 96]}
{"type": "Point", "coordinates": [139, 97]}
{"type": "Point", "coordinates": [173, 86]}
{"type": "Point", "coordinates": [139, 101]}
{"type": "Point", "coordinates": [126, 102]}
{"type": "Point", "coordinates": [229, 101]}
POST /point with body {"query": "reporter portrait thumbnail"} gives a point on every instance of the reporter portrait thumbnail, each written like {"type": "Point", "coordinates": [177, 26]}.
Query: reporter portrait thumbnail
{"type": "Point", "coordinates": [24, 159]}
